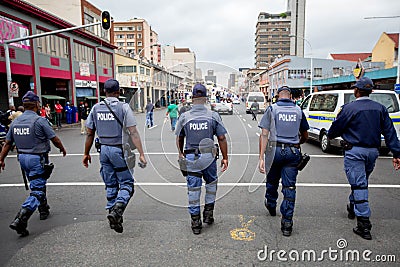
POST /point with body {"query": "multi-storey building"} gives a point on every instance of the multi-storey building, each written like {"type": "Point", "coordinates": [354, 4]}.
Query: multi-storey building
{"type": "Point", "coordinates": [280, 34]}
{"type": "Point", "coordinates": [135, 37]}
{"type": "Point", "coordinates": [70, 66]}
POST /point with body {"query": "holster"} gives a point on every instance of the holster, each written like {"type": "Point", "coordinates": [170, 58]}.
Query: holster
{"type": "Point", "coordinates": [305, 158]}
{"type": "Point", "coordinates": [345, 145]}
{"type": "Point", "coordinates": [48, 169]}
{"type": "Point", "coordinates": [97, 144]}
{"type": "Point", "coordinates": [130, 158]}
{"type": "Point", "coordinates": [216, 151]}
{"type": "Point", "coordinates": [183, 166]}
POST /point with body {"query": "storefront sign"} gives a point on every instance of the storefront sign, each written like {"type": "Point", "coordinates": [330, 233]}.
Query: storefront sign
{"type": "Point", "coordinates": [84, 69]}
{"type": "Point", "coordinates": [11, 29]}
{"type": "Point", "coordinates": [83, 83]}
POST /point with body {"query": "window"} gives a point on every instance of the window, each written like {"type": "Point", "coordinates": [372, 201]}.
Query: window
{"type": "Point", "coordinates": [337, 72]}
{"type": "Point", "coordinates": [130, 36]}
{"type": "Point", "coordinates": [125, 69]}
{"type": "Point", "coordinates": [120, 36]}
{"type": "Point", "coordinates": [88, 20]}
{"type": "Point", "coordinates": [305, 103]}
{"type": "Point", "coordinates": [139, 36]}
{"type": "Point", "coordinates": [120, 43]}
{"type": "Point", "coordinates": [130, 44]}
{"type": "Point", "coordinates": [324, 102]}
{"type": "Point", "coordinates": [131, 28]}
{"type": "Point", "coordinates": [139, 28]}
{"type": "Point", "coordinates": [52, 45]}
{"type": "Point", "coordinates": [141, 70]}
{"type": "Point", "coordinates": [105, 60]}
{"type": "Point", "coordinates": [317, 73]}
{"type": "Point", "coordinates": [148, 72]}
{"type": "Point", "coordinates": [388, 100]}
{"type": "Point", "coordinates": [139, 43]}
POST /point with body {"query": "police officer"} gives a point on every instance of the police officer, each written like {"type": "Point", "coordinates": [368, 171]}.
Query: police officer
{"type": "Point", "coordinates": [280, 142]}
{"type": "Point", "coordinates": [31, 134]}
{"type": "Point", "coordinates": [360, 124]}
{"type": "Point", "coordinates": [198, 126]}
{"type": "Point", "coordinates": [114, 170]}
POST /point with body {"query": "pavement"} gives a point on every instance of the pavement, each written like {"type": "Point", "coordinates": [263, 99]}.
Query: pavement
{"type": "Point", "coordinates": [157, 225]}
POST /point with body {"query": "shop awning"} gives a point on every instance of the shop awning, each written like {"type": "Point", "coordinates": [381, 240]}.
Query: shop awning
{"type": "Point", "coordinates": [53, 97]}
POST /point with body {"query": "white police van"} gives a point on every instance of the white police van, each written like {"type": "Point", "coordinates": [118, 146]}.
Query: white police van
{"type": "Point", "coordinates": [321, 109]}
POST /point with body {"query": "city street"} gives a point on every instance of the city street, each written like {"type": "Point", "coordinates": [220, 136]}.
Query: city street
{"type": "Point", "coordinates": [157, 224]}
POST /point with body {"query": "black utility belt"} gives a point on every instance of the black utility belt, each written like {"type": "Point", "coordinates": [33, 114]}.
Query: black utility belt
{"type": "Point", "coordinates": [119, 146]}
{"type": "Point", "coordinates": [197, 151]}
{"type": "Point", "coordinates": [36, 154]}
{"type": "Point", "coordinates": [274, 143]}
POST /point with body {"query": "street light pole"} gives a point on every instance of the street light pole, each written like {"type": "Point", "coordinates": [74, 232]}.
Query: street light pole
{"type": "Point", "coordinates": [398, 48]}
{"type": "Point", "coordinates": [311, 60]}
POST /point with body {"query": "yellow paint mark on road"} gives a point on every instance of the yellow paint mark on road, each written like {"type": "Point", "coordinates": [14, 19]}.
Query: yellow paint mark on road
{"type": "Point", "coordinates": [243, 234]}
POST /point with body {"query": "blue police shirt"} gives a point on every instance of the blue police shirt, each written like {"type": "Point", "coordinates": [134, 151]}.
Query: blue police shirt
{"type": "Point", "coordinates": [266, 123]}
{"type": "Point", "coordinates": [198, 124]}
{"type": "Point", "coordinates": [43, 131]}
{"type": "Point", "coordinates": [362, 122]}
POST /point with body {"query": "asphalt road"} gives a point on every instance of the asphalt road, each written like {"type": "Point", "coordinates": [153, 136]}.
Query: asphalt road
{"type": "Point", "coordinates": [157, 225]}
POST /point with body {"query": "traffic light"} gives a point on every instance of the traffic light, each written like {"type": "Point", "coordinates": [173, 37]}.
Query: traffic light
{"type": "Point", "coordinates": [105, 20]}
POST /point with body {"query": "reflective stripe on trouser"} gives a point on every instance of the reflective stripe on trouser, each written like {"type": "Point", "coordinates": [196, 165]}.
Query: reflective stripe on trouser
{"type": "Point", "coordinates": [194, 183]}
{"type": "Point", "coordinates": [116, 176]}
{"type": "Point", "coordinates": [283, 166]}
{"type": "Point", "coordinates": [32, 165]}
{"type": "Point", "coordinates": [359, 163]}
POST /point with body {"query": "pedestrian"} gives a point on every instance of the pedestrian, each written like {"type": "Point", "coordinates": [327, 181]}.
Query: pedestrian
{"type": "Point", "coordinates": [43, 112]}
{"type": "Point", "coordinates": [360, 124]}
{"type": "Point", "coordinates": [17, 113]}
{"type": "Point", "coordinates": [68, 113]}
{"type": "Point", "coordinates": [199, 158]}
{"type": "Point", "coordinates": [172, 111]}
{"type": "Point", "coordinates": [280, 154]}
{"type": "Point", "coordinates": [106, 119]}
{"type": "Point", "coordinates": [48, 112]}
{"type": "Point", "coordinates": [149, 114]}
{"type": "Point", "coordinates": [84, 111]}
{"type": "Point", "coordinates": [185, 107]}
{"type": "Point", "coordinates": [32, 135]}
{"type": "Point", "coordinates": [58, 108]}
{"type": "Point", "coordinates": [254, 109]}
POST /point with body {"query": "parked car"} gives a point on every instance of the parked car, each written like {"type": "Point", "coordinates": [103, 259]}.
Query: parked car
{"type": "Point", "coordinates": [236, 101]}
{"type": "Point", "coordinates": [222, 108]}
{"type": "Point", "coordinates": [322, 108]}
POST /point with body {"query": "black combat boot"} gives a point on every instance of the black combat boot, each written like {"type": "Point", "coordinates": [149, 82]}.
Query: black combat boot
{"type": "Point", "coordinates": [44, 211]}
{"type": "Point", "coordinates": [21, 222]}
{"type": "Point", "coordinates": [363, 228]}
{"type": "Point", "coordinates": [350, 211]}
{"type": "Point", "coordinates": [286, 227]}
{"type": "Point", "coordinates": [115, 217]}
{"type": "Point", "coordinates": [271, 210]}
{"type": "Point", "coordinates": [208, 213]}
{"type": "Point", "coordinates": [196, 224]}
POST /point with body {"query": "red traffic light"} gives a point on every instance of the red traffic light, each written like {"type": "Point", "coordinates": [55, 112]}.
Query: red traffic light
{"type": "Point", "coordinates": [105, 20]}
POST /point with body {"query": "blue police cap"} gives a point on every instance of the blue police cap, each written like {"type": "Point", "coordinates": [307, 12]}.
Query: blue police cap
{"type": "Point", "coordinates": [30, 97]}
{"type": "Point", "coordinates": [364, 83]}
{"type": "Point", "coordinates": [199, 90]}
{"type": "Point", "coordinates": [283, 88]}
{"type": "Point", "coordinates": [111, 85]}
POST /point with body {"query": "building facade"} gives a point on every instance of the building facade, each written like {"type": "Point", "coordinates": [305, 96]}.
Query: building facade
{"type": "Point", "coordinates": [280, 34]}
{"type": "Point", "coordinates": [135, 37]}
{"type": "Point", "coordinates": [70, 66]}
{"type": "Point", "coordinates": [387, 49]}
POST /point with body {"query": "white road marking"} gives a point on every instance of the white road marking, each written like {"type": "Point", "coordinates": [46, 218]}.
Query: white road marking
{"type": "Point", "coordinates": [175, 153]}
{"type": "Point", "coordinates": [244, 119]}
{"type": "Point", "coordinates": [219, 184]}
{"type": "Point", "coordinates": [249, 126]}
{"type": "Point", "coordinates": [258, 134]}
{"type": "Point", "coordinates": [240, 116]}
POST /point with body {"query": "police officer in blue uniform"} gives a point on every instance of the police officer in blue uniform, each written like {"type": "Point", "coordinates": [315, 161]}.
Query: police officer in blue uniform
{"type": "Point", "coordinates": [199, 158]}
{"type": "Point", "coordinates": [360, 124]}
{"type": "Point", "coordinates": [114, 170]}
{"type": "Point", "coordinates": [32, 135]}
{"type": "Point", "coordinates": [280, 144]}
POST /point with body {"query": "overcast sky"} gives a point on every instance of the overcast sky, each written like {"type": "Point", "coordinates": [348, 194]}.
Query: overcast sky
{"type": "Point", "coordinates": [223, 31]}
